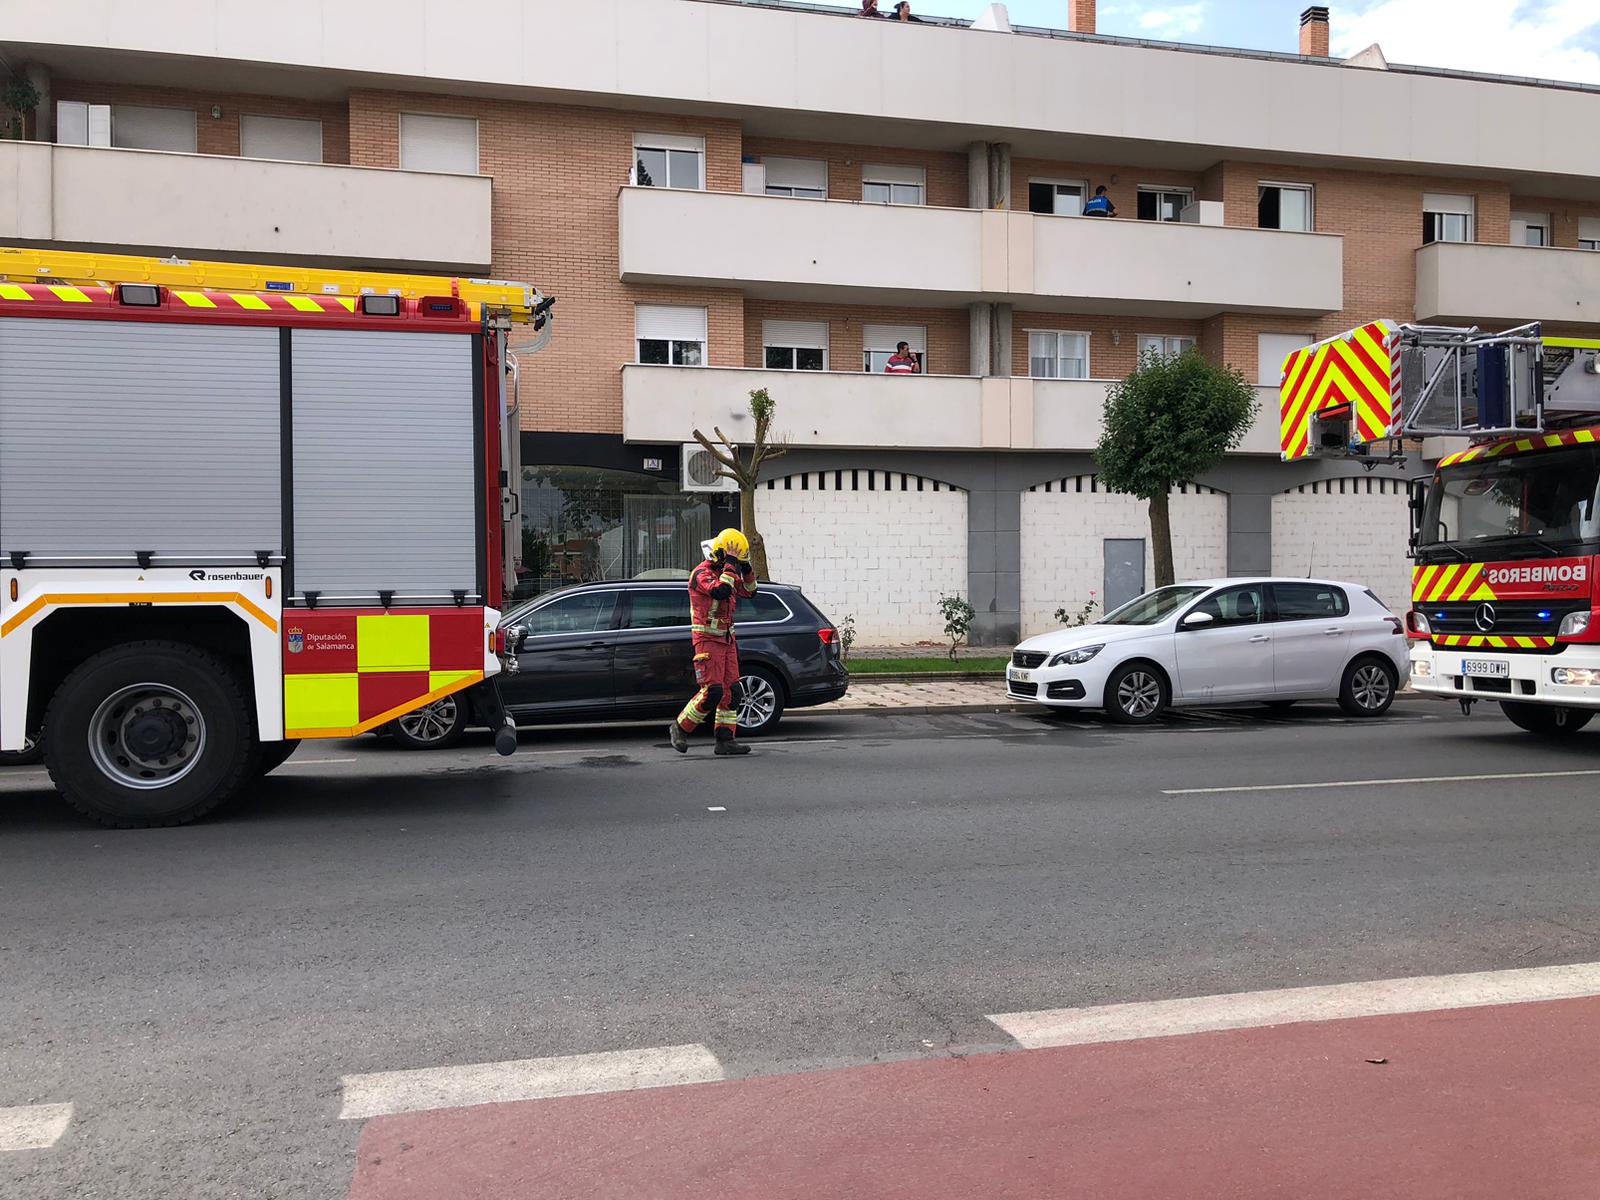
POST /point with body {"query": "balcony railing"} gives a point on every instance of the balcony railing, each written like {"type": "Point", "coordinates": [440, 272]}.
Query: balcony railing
{"type": "Point", "coordinates": [1471, 284]}
{"type": "Point", "coordinates": [855, 410]}
{"type": "Point", "coordinates": [844, 250]}
{"type": "Point", "coordinates": [197, 204]}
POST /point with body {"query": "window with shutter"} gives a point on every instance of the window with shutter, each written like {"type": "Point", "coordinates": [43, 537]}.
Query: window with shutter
{"type": "Point", "coordinates": [670, 334]}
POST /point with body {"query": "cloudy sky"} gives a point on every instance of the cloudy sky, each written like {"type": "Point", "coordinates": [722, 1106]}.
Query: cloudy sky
{"type": "Point", "coordinates": [1548, 39]}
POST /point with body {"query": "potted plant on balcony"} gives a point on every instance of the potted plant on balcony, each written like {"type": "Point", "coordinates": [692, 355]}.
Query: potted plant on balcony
{"type": "Point", "coordinates": [18, 99]}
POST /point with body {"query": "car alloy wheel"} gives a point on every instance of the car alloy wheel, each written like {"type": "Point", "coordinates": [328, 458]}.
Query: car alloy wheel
{"type": "Point", "coordinates": [430, 723]}
{"type": "Point", "coordinates": [1370, 687]}
{"type": "Point", "coordinates": [758, 700]}
{"type": "Point", "coordinates": [1139, 694]}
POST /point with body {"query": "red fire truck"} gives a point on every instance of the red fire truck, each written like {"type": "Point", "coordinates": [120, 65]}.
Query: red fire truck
{"type": "Point", "coordinates": [1505, 532]}
{"type": "Point", "coordinates": [242, 506]}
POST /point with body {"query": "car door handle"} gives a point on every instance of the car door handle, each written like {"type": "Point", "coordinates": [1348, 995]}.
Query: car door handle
{"type": "Point", "coordinates": [1332, 632]}
{"type": "Point", "coordinates": [597, 645]}
{"type": "Point", "coordinates": [1262, 637]}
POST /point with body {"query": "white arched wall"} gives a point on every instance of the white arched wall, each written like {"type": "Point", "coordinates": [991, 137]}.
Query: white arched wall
{"type": "Point", "coordinates": [881, 546]}
{"type": "Point", "coordinates": [1354, 529]}
{"type": "Point", "coordinates": [1066, 521]}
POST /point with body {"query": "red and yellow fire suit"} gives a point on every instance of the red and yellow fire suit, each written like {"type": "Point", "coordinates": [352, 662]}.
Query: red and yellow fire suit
{"type": "Point", "coordinates": [714, 591]}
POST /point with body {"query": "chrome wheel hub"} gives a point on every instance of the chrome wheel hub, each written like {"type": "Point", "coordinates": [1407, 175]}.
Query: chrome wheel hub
{"type": "Point", "coordinates": [1139, 694]}
{"type": "Point", "coordinates": [148, 735]}
{"type": "Point", "coordinates": [757, 702]}
{"type": "Point", "coordinates": [1370, 687]}
{"type": "Point", "coordinates": [431, 722]}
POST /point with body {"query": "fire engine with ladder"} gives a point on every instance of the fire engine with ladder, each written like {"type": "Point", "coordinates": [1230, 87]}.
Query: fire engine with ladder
{"type": "Point", "coordinates": [1505, 532]}
{"type": "Point", "coordinates": [242, 506]}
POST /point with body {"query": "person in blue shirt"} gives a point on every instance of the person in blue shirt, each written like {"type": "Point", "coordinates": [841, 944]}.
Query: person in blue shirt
{"type": "Point", "coordinates": [1100, 204]}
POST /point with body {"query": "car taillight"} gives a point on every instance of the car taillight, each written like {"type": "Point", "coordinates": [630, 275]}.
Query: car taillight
{"type": "Point", "coordinates": [1395, 627]}
{"type": "Point", "coordinates": [828, 635]}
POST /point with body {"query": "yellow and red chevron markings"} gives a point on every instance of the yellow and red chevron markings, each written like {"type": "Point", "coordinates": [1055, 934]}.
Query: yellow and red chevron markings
{"type": "Point", "coordinates": [195, 298]}
{"type": "Point", "coordinates": [1464, 581]}
{"type": "Point", "coordinates": [1541, 441]}
{"type": "Point", "coordinates": [1353, 369]}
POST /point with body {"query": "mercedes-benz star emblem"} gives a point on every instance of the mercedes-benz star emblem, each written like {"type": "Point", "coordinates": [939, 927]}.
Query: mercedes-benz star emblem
{"type": "Point", "coordinates": [1483, 618]}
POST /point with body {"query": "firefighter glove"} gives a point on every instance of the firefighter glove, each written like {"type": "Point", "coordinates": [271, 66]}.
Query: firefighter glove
{"type": "Point", "coordinates": [721, 592]}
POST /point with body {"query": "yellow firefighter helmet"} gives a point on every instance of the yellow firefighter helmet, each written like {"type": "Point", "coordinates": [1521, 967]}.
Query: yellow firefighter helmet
{"type": "Point", "coordinates": [732, 543]}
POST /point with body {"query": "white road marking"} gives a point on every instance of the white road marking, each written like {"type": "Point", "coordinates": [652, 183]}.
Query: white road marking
{"type": "Point", "coordinates": [33, 1126]}
{"type": "Point", "coordinates": [1288, 1006]}
{"type": "Point", "coordinates": [715, 808]}
{"type": "Point", "coordinates": [526, 1079]}
{"type": "Point", "coordinates": [314, 762]}
{"type": "Point", "coordinates": [1342, 783]}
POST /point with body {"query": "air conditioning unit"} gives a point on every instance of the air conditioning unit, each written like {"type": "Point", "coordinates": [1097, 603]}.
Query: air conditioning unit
{"type": "Point", "coordinates": [700, 469]}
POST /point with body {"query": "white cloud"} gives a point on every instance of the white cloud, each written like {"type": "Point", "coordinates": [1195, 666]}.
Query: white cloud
{"type": "Point", "coordinates": [1175, 21]}
{"type": "Point", "coordinates": [1506, 37]}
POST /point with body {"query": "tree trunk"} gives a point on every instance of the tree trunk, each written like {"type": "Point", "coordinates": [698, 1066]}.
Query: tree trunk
{"type": "Point", "coordinates": [1161, 539]}
{"type": "Point", "coordinates": [747, 523]}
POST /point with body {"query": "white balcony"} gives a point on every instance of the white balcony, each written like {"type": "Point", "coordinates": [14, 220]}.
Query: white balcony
{"type": "Point", "coordinates": [1471, 284]}
{"type": "Point", "coordinates": [208, 205]}
{"type": "Point", "coordinates": [874, 253]}
{"type": "Point", "coordinates": [855, 410]}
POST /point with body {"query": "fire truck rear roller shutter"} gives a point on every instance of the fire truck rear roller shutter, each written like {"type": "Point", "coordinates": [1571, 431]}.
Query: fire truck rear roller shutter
{"type": "Point", "coordinates": [184, 458]}
{"type": "Point", "coordinates": [384, 465]}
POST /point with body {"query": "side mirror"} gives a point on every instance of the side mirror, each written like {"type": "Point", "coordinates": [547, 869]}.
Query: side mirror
{"type": "Point", "coordinates": [1197, 620]}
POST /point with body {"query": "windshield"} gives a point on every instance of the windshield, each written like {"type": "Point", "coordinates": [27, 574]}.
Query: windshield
{"type": "Point", "coordinates": [1152, 607]}
{"type": "Point", "coordinates": [1548, 498]}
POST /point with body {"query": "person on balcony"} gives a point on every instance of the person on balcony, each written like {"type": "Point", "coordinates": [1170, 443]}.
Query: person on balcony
{"type": "Point", "coordinates": [869, 8]}
{"type": "Point", "coordinates": [902, 12]}
{"type": "Point", "coordinates": [904, 361]}
{"type": "Point", "coordinates": [1099, 205]}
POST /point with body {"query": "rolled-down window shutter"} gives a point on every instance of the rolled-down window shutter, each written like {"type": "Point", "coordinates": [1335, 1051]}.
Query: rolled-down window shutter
{"type": "Point", "coordinates": [884, 173]}
{"type": "Point", "coordinates": [1443, 202]}
{"type": "Point", "coordinates": [887, 337]}
{"type": "Point", "coordinates": [796, 172]}
{"type": "Point", "coordinates": [808, 335]}
{"type": "Point", "coordinates": [1589, 228]}
{"type": "Point", "coordinates": [670, 323]}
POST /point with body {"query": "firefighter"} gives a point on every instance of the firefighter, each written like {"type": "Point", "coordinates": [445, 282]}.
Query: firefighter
{"type": "Point", "coordinates": [714, 590]}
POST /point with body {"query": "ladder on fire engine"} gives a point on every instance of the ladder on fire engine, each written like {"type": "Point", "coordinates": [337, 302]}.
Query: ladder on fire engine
{"type": "Point", "coordinates": [519, 303]}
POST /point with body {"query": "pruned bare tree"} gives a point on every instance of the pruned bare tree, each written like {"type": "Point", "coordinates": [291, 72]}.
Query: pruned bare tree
{"type": "Point", "coordinates": [743, 465]}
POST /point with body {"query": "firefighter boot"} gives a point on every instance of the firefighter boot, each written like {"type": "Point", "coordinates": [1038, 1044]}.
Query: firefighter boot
{"type": "Point", "coordinates": [680, 740]}
{"type": "Point", "coordinates": [727, 745]}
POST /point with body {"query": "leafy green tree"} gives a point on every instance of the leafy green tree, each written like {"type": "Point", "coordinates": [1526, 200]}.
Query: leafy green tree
{"type": "Point", "coordinates": [1171, 420]}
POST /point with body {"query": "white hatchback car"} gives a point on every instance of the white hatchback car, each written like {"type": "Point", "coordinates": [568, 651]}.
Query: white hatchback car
{"type": "Point", "coordinates": [1221, 641]}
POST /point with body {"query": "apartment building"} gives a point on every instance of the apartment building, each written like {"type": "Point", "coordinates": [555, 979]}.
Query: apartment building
{"type": "Point", "coordinates": [727, 196]}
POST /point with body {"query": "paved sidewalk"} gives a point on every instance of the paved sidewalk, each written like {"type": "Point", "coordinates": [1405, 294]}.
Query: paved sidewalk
{"type": "Point", "coordinates": [979, 695]}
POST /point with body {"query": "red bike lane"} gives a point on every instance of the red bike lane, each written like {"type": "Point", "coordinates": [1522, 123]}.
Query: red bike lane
{"type": "Point", "coordinates": [1499, 1102]}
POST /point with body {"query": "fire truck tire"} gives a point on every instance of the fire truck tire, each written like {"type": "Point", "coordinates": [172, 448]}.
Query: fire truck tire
{"type": "Point", "coordinates": [148, 734]}
{"type": "Point", "coordinates": [272, 755]}
{"type": "Point", "coordinates": [1546, 720]}
{"type": "Point", "coordinates": [1368, 686]}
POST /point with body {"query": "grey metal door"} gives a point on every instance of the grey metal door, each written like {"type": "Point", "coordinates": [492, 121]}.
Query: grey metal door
{"type": "Point", "coordinates": [1124, 574]}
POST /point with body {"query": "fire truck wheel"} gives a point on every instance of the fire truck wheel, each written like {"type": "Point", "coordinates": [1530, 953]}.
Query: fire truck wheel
{"type": "Point", "coordinates": [1547, 720]}
{"type": "Point", "coordinates": [1368, 687]}
{"type": "Point", "coordinates": [151, 733]}
{"type": "Point", "coordinates": [1137, 693]}
{"type": "Point", "coordinates": [436, 726]}
{"type": "Point", "coordinates": [272, 755]}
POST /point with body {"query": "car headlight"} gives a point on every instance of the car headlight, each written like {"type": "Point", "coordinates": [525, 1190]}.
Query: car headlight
{"type": "Point", "coordinates": [1421, 668]}
{"type": "Point", "coordinates": [1573, 624]}
{"type": "Point", "coordinates": [1575, 676]}
{"type": "Point", "coordinates": [1073, 657]}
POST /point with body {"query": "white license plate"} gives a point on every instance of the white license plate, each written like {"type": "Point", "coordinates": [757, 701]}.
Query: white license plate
{"type": "Point", "coordinates": [1485, 668]}
{"type": "Point", "coordinates": [1022, 676]}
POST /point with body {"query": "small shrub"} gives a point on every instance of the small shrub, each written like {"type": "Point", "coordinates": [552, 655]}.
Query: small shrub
{"type": "Point", "coordinates": [1082, 617]}
{"type": "Point", "coordinates": [958, 617]}
{"type": "Point", "coordinates": [847, 636]}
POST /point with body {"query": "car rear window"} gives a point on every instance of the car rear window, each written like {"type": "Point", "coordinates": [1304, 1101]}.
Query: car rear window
{"type": "Point", "coordinates": [659, 608]}
{"type": "Point", "coordinates": [763, 606]}
{"type": "Point", "coordinates": [1310, 601]}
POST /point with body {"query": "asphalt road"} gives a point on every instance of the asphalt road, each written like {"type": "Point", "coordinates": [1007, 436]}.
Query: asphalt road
{"type": "Point", "coordinates": [875, 886]}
